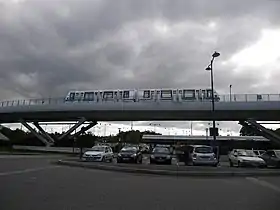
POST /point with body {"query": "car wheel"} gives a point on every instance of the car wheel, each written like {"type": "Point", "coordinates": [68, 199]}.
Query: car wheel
{"type": "Point", "coordinates": [111, 160]}
{"type": "Point", "coordinates": [103, 159]}
{"type": "Point", "coordinates": [140, 161]}
{"type": "Point", "coordinates": [230, 163]}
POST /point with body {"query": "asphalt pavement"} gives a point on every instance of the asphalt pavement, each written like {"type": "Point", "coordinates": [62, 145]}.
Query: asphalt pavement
{"type": "Point", "coordinates": [33, 183]}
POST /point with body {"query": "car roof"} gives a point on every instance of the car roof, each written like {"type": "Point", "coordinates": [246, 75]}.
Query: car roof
{"type": "Point", "coordinates": [200, 145]}
{"type": "Point", "coordinates": [100, 146]}
{"type": "Point", "coordinates": [130, 147]}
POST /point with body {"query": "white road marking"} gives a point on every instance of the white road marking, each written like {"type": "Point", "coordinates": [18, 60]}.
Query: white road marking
{"type": "Point", "coordinates": [264, 184]}
{"type": "Point", "coordinates": [26, 170]}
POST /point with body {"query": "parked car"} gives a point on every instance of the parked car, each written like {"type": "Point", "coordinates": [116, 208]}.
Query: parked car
{"type": "Point", "coordinates": [99, 153]}
{"type": "Point", "coordinates": [259, 153]}
{"type": "Point", "coordinates": [242, 157]}
{"type": "Point", "coordinates": [198, 155]}
{"type": "Point", "coordinates": [272, 158]}
{"type": "Point", "coordinates": [130, 154]}
{"type": "Point", "coordinates": [161, 155]}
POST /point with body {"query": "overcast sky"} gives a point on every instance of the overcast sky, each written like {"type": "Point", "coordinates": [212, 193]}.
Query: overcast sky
{"type": "Point", "coordinates": [48, 47]}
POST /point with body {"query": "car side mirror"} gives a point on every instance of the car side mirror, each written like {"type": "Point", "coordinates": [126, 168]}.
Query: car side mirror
{"type": "Point", "coordinates": [235, 155]}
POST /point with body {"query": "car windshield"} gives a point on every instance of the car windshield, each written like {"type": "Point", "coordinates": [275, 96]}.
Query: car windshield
{"type": "Point", "coordinates": [98, 149]}
{"type": "Point", "coordinates": [129, 149]}
{"type": "Point", "coordinates": [161, 150]}
{"type": "Point", "coordinates": [248, 153]}
{"type": "Point", "coordinates": [204, 150]}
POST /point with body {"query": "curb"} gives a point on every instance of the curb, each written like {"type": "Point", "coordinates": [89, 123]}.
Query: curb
{"type": "Point", "coordinates": [191, 173]}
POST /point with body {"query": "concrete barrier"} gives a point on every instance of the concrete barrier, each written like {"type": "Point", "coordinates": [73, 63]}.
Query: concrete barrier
{"type": "Point", "coordinates": [68, 150]}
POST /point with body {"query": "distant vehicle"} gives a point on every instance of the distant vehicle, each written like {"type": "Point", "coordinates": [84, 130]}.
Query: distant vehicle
{"type": "Point", "coordinates": [161, 155]}
{"type": "Point", "coordinates": [142, 95]}
{"type": "Point", "coordinates": [130, 154]}
{"type": "Point", "coordinates": [259, 153]}
{"type": "Point", "coordinates": [242, 157]}
{"type": "Point", "coordinates": [99, 153]}
{"type": "Point", "coordinates": [272, 158]}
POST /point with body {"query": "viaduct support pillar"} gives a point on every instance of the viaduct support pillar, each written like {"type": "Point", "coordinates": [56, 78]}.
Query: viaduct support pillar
{"type": "Point", "coordinates": [80, 122]}
{"type": "Point", "coordinates": [35, 133]}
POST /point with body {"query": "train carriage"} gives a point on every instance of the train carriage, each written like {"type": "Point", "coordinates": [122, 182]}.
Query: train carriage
{"type": "Point", "coordinates": [142, 95]}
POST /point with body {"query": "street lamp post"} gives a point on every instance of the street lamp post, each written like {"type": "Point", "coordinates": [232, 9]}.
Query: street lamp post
{"type": "Point", "coordinates": [210, 68]}
{"type": "Point", "coordinates": [230, 86]}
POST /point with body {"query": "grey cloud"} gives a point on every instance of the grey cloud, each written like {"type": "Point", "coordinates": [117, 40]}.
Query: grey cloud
{"type": "Point", "coordinates": [50, 47]}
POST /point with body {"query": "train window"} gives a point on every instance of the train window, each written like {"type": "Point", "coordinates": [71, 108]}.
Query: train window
{"type": "Point", "coordinates": [108, 95]}
{"type": "Point", "coordinates": [209, 93]}
{"type": "Point", "coordinates": [146, 94]}
{"type": "Point", "coordinates": [166, 94]}
{"type": "Point", "coordinates": [89, 96]}
{"type": "Point", "coordinates": [72, 96]}
{"type": "Point", "coordinates": [152, 94]}
{"type": "Point", "coordinates": [189, 94]}
{"type": "Point", "coordinates": [125, 94]}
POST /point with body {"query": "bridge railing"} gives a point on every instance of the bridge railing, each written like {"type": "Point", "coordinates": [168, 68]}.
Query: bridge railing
{"type": "Point", "coordinates": [223, 98]}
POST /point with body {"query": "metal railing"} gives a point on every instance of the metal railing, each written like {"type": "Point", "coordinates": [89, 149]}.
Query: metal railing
{"type": "Point", "coordinates": [223, 98]}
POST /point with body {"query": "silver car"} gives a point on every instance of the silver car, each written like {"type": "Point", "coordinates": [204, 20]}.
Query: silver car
{"type": "Point", "coordinates": [203, 155]}
{"type": "Point", "coordinates": [242, 157]}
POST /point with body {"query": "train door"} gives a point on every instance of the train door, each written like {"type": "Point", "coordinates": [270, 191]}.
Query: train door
{"type": "Point", "coordinates": [180, 94]}
{"type": "Point", "coordinates": [203, 94]}
{"type": "Point", "coordinates": [72, 96]}
{"type": "Point", "coordinates": [79, 96]}
{"type": "Point", "coordinates": [146, 95]}
{"type": "Point", "coordinates": [158, 95]}
{"type": "Point", "coordinates": [198, 94]}
{"type": "Point", "coordinates": [208, 94]}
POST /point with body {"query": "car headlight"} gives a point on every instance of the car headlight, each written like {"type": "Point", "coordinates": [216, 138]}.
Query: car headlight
{"type": "Point", "coordinates": [134, 155]}
{"type": "Point", "coordinates": [152, 156]}
{"type": "Point", "coordinates": [119, 155]}
{"type": "Point", "coordinates": [168, 156]}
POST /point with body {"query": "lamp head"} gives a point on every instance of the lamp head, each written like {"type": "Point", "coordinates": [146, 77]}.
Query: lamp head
{"type": "Point", "coordinates": [215, 54]}
{"type": "Point", "coordinates": [208, 68]}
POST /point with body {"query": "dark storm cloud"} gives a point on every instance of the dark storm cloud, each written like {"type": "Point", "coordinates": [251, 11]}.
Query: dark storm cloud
{"type": "Point", "coordinates": [48, 47]}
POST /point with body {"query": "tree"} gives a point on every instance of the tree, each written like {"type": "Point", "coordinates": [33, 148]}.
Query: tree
{"type": "Point", "coordinates": [248, 131]}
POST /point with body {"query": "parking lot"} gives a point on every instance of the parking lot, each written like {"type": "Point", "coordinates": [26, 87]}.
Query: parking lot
{"type": "Point", "coordinates": [32, 183]}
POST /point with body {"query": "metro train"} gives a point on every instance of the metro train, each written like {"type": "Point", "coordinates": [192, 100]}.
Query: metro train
{"type": "Point", "coordinates": [143, 95]}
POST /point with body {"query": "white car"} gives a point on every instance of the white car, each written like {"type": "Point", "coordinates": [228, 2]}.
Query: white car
{"type": "Point", "coordinates": [99, 153]}
{"type": "Point", "coordinates": [242, 157]}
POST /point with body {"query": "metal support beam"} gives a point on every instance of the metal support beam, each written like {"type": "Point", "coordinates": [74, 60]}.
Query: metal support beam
{"type": "Point", "coordinates": [2, 136]}
{"type": "Point", "coordinates": [46, 135]}
{"type": "Point", "coordinates": [84, 129]}
{"type": "Point", "coordinates": [80, 122]}
{"type": "Point", "coordinates": [35, 133]}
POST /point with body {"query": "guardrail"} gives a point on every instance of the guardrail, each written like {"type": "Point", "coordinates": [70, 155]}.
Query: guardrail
{"type": "Point", "coordinates": [223, 98]}
{"type": "Point", "coordinates": [49, 149]}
